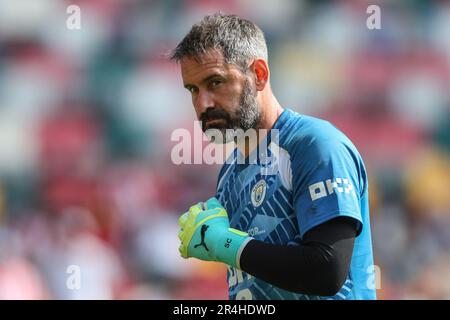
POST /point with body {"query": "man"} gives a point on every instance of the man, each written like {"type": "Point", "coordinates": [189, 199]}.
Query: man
{"type": "Point", "coordinates": [300, 232]}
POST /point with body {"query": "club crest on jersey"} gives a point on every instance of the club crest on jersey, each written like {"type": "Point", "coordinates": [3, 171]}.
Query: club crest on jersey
{"type": "Point", "coordinates": [259, 193]}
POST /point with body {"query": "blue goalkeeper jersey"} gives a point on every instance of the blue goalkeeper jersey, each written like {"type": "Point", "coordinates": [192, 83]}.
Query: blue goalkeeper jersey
{"type": "Point", "coordinates": [305, 173]}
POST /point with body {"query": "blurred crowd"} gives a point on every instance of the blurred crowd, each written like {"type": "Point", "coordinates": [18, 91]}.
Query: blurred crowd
{"type": "Point", "coordinates": [86, 116]}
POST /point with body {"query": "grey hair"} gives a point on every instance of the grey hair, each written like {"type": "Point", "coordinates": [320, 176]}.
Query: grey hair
{"type": "Point", "coordinates": [239, 40]}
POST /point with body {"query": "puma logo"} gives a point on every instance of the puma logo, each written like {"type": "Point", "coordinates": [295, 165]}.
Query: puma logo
{"type": "Point", "coordinates": [202, 234]}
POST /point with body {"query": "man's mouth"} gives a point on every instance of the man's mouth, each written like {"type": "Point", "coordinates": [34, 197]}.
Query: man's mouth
{"type": "Point", "coordinates": [215, 123]}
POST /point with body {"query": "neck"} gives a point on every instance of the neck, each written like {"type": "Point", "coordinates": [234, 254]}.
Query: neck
{"type": "Point", "coordinates": [271, 110]}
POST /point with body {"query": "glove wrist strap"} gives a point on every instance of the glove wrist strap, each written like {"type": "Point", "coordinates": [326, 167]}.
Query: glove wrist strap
{"type": "Point", "coordinates": [230, 247]}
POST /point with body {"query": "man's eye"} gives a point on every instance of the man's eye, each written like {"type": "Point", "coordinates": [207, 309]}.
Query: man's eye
{"type": "Point", "coordinates": [192, 90]}
{"type": "Point", "coordinates": [215, 83]}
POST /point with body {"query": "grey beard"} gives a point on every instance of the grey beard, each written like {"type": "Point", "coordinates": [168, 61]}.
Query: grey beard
{"type": "Point", "coordinates": [247, 117]}
{"type": "Point", "coordinates": [249, 113]}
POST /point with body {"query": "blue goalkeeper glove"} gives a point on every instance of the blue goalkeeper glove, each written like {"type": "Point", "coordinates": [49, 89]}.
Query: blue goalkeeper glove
{"type": "Point", "coordinates": [206, 234]}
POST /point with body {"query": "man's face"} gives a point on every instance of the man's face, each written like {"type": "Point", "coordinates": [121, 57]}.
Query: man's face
{"type": "Point", "coordinates": [222, 94]}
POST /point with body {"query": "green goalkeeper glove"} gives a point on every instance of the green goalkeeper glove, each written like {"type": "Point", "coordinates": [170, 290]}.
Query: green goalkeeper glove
{"type": "Point", "coordinates": [206, 234]}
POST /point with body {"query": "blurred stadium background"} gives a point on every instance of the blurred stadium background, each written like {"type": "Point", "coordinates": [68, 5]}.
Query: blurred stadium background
{"type": "Point", "coordinates": [86, 117]}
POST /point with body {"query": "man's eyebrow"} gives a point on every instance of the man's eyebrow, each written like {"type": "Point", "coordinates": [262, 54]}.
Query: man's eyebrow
{"type": "Point", "coordinates": [212, 76]}
{"type": "Point", "coordinates": [208, 78]}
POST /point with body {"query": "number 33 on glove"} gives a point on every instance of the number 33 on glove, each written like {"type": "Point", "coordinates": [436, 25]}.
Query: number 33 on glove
{"type": "Point", "coordinates": [206, 234]}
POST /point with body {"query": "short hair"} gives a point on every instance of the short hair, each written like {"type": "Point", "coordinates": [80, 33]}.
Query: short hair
{"type": "Point", "coordinates": [238, 39]}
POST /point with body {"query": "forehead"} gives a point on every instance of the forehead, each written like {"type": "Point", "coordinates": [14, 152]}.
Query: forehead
{"type": "Point", "coordinates": [211, 62]}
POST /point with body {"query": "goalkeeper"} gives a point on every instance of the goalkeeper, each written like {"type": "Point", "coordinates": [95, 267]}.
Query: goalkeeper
{"type": "Point", "coordinates": [301, 232]}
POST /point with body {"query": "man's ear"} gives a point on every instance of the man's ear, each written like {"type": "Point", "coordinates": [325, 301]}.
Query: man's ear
{"type": "Point", "coordinates": [261, 71]}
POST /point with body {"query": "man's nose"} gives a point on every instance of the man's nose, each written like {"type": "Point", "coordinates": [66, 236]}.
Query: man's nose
{"type": "Point", "coordinates": [204, 101]}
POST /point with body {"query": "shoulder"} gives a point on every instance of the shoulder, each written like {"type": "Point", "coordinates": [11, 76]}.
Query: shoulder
{"type": "Point", "coordinates": [306, 135]}
{"type": "Point", "coordinates": [315, 144]}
